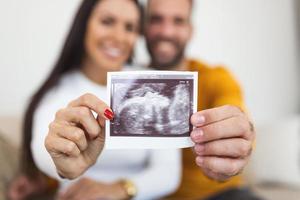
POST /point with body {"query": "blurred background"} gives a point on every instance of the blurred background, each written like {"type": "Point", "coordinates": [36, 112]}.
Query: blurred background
{"type": "Point", "coordinates": [259, 40]}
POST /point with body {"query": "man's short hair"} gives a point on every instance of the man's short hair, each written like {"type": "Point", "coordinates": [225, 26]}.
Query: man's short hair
{"type": "Point", "coordinates": [147, 3]}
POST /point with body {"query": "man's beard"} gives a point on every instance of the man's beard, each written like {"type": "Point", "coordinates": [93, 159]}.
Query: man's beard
{"type": "Point", "coordinates": [169, 64]}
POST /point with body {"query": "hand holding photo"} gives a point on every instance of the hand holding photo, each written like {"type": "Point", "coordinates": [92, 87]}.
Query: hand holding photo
{"type": "Point", "coordinates": [152, 109]}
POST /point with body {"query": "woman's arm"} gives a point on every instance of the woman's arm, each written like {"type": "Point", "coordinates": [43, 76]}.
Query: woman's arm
{"type": "Point", "coordinates": [160, 178]}
{"type": "Point", "coordinates": [43, 116]}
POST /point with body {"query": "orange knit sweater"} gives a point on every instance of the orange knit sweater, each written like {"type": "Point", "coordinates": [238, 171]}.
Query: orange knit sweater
{"type": "Point", "coordinates": [216, 87]}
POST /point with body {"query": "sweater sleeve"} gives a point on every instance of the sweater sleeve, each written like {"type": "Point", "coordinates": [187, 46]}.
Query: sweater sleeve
{"type": "Point", "coordinates": [227, 90]}
{"type": "Point", "coordinates": [43, 116]}
{"type": "Point", "coordinates": [161, 177]}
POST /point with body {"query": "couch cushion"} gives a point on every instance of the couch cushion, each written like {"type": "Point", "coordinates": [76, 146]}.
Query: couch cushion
{"type": "Point", "coordinates": [279, 192]}
{"type": "Point", "coordinates": [10, 128]}
{"type": "Point", "coordinates": [276, 157]}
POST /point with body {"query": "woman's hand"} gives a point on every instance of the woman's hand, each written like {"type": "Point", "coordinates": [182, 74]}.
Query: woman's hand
{"type": "Point", "coordinates": [23, 186]}
{"type": "Point", "coordinates": [76, 137]}
{"type": "Point", "coordinates": [91, 190]}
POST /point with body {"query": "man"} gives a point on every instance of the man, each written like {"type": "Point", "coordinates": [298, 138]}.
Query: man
{"type": "Point", "coordinates": [223, 134]}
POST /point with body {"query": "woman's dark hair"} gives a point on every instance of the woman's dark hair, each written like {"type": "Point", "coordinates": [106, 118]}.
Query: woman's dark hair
{"type": "Point", "coordinates": [69, 59]}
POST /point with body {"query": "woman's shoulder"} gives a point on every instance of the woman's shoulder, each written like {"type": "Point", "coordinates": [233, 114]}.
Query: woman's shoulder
{"type": "Point", "coordinates": [62, 92]}
{"type": "Point", "coordinates": [71, 86]}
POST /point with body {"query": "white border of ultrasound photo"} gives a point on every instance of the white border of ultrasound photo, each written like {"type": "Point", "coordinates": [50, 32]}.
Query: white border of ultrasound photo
{"type": "Point", "coordinates": [148, 142]}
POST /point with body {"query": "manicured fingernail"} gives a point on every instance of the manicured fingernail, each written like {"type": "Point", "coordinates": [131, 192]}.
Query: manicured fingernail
{"type": "Point", "coordinates": [199, 160]}
{"type": "Point", "coordinates": [108, 114]}
{"type": "Point", "coordinates": [200, 120]}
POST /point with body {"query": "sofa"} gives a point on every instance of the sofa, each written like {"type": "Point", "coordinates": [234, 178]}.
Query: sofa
{"type": "Point", "coordinates": [273, 172]}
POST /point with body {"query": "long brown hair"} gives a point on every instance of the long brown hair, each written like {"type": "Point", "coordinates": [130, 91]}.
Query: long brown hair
{"type": "Point", "coordinates": [69, 59]}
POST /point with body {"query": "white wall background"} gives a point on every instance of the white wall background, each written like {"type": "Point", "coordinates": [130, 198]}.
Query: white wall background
{"type": "Point", "coordinates": [256, 39]}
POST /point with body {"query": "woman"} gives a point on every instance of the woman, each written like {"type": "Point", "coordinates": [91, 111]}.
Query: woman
{"type": "Point", "coordinates": [101, 39]}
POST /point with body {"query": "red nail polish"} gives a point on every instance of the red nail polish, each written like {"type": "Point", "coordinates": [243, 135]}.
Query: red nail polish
{"type": "Point", "coordinates": [108, 114]}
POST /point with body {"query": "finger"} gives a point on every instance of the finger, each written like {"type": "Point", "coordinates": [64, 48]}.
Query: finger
{"type": "Point", "coordinates": [18, 189]}
{"type": "Point", "coordinates": [215, 176]}
{"type": "Point", "coordinates": [229, 128]}
{"type": "Point", "coordinates": [80, 115]}
{"type": "Point", "coordinates": [214, 115]}
{"type": "Point", "coordinates": [220, 165]}
{"type": "Point", "coordinates": [83, 193]}
{"type": "Point", "coordinates": [66, 194]}
{"type": "Point", "coordinates": [72, 133]}
{"type": "Point", "coordinates": [91, 191]}
{"type": "Point", "coordinates": [95, 104]}
{"type": "Point", "coordinates": [58, 145]}
{"type": "Point", "coordinates": [14, 193]}
{"type": "Point", "coordinates": [233, 148]}
{"type": "Point", "coordinates": [72, 190]}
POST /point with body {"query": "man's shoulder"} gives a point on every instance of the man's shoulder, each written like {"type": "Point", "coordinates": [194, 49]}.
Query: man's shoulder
{"type": "Point", "coordinates": [205, 68]}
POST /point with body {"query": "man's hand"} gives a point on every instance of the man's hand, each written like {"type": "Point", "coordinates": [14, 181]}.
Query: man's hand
{"type": "Point", "coordinates": [223, 140]}
{"type": "Point", "coordinates": [88, 189]}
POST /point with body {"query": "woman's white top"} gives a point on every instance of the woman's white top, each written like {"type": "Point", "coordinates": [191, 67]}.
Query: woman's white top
{"type": "Point", "coordinates": [155, 172]}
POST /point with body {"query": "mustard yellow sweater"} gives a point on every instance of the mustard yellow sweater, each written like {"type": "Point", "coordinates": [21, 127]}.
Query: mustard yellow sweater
{"type": "Point", "coordinates": [216, 87]}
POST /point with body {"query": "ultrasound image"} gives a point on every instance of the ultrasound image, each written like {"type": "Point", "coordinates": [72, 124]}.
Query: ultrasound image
{"type": "Point", "coordinates": [152, 107]}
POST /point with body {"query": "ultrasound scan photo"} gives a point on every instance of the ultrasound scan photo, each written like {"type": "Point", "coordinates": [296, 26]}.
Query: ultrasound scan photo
{"type": "Point", "coordinates": [157, 106]}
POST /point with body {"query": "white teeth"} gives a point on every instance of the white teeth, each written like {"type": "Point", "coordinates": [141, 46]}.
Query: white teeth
{"type": "Point", "coordinates": [113, 52]}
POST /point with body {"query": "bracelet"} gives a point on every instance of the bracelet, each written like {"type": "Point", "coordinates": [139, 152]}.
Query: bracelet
{"type": "Point", "coordinates": [129, 187]}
